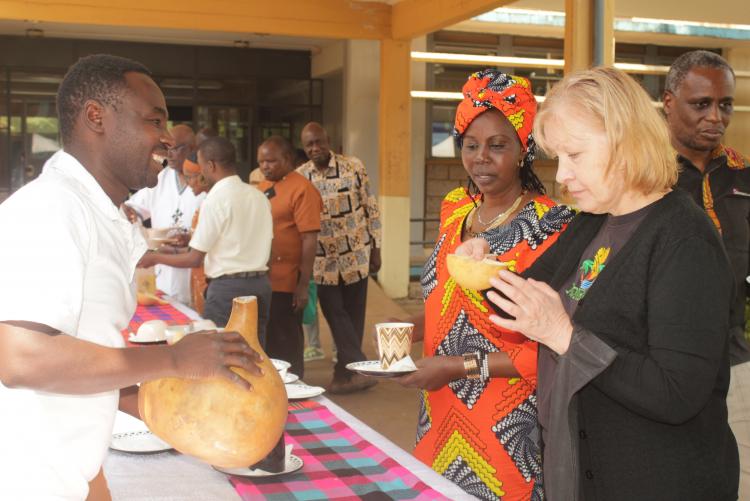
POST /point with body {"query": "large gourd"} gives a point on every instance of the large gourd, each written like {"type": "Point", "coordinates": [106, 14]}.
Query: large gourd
{"type": "Point", "coordinates": [213, 419]}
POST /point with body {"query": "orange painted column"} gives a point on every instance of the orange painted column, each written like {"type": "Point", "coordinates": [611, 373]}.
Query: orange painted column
{"type": "Point", "coordinates": [394, 133]}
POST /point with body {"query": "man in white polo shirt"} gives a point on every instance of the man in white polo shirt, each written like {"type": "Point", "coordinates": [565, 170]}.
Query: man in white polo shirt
{"type": "Point", "coordinates": [234, 235]}
{"type": "Point", "coordinates": [67, 265]}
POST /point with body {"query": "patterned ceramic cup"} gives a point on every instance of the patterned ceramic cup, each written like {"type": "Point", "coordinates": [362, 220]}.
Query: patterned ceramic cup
{"type": "Point", "coordinates": [394, 341]}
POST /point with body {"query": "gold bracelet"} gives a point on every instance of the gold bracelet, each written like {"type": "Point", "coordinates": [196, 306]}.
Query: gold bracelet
{"type": "Point", "coordinates": [471, 366]}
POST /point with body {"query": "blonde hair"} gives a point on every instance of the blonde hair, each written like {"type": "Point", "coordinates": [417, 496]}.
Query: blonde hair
{"type": "Point", "coordinates": [637, 133]}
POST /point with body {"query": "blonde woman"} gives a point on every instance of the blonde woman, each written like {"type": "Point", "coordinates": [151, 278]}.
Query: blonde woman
{"type": "Point", "coordinates": [629, 307]}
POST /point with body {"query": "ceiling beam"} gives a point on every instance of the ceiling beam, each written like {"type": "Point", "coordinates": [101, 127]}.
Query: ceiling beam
{"type": "Point", "coordinates": [414, 18]}
{"type": "Point", "coordinates": [342, 19]}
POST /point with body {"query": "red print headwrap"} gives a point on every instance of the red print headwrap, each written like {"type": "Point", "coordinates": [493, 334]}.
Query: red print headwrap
{"type": "Point", "coordinates": [510, 94]}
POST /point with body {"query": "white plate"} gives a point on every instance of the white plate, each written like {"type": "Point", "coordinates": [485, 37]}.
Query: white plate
{"type": "Point", "coordinates": [134, 339]}
{"type": "Point", "coordinates": [292, 464]}
{"type": "Point", "coordinates": [280, 365]}
{"type": "Point", "coordinates": [139, 442]}
{"type": "Point", "coordinates": [302, 391]}
{"type": "Point", "coordinates": [290, 378]}
{"type": "Point", "coordinates": [163, 239]}
{"type": "Point", "coordinates": [373, 368]}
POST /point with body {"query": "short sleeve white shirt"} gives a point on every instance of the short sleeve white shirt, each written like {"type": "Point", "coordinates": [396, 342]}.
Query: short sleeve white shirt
{"type": "Point", "coordinates": [68, 261]}
{"type": "Point", "coordinates": [168, 205]}
{"type": "Point", "coordinates": [235, 229]}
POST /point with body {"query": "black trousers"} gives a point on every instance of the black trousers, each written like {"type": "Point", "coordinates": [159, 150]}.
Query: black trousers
{"type": "Point", "coordinates": [284, 337]}
{"type": "Point", "coordinates": [344, 308]}
{"type": "Point", "coordinates": [221, 293]}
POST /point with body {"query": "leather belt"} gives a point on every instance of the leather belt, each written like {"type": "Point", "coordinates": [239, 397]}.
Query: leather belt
{"type": "Point", "coordinates": [242, 274]}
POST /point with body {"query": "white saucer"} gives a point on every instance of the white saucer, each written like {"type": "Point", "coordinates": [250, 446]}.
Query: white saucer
{"type": "Point", "coordinates": [292, 464]}
{"type": "Point", "coordinates": [373, 368]}
{"type": "Point", "coordinates": [134, 339]}
{"type": "Point", "coordinates": [302, 391]}
{"type": "Point", "coordinates": [164, 239]}
{"type": "Point", "coordinates": [280, 365]}
{"type": "Point", "coordinates": [138, 442]}
{"type": "Point", "coordinates": [290, 378]}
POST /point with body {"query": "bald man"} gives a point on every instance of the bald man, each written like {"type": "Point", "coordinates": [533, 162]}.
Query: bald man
{"type": "Point", "coordinates": [171, 204]}
{"type": "Point", "coordinates": [348, 249]}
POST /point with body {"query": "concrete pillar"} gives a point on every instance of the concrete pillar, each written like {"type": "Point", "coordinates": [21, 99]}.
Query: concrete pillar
{"type": "Point", "coordinates": [361, 89]}
{"type": "Point", "coordinates": [328, 65]}
{"type": "Point", "coordinates": [738, 133]}
{"type": "Point", "coordinates": [330, 59]}
{"type": "Point", "coordinates": [394, 131]}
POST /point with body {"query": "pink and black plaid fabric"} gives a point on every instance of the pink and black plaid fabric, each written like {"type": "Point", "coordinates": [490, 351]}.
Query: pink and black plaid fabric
{"type": "Point", "coordinates": [165, 312]}
{"type": "Point", "coordinates": [339, 465]}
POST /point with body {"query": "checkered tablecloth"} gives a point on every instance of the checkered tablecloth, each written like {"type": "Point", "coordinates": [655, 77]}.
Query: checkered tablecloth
{"type": "Point", "coordinates": [338, 464]}
{"type": "Point", "coordinates": [165, 312]}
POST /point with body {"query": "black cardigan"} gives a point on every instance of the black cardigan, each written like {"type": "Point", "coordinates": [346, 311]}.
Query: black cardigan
{"type": "Point", "coordinates": [654, 422]}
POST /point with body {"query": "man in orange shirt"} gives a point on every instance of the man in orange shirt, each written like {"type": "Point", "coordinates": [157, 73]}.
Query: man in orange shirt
{"type": "Point", "coordinates": [295, 206]}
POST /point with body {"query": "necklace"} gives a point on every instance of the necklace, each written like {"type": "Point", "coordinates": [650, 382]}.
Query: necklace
{"type": "Point", "coordinates": [503, 215]}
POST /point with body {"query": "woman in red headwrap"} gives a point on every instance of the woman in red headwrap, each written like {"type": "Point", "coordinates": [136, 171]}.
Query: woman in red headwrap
{"type": "Point", "coordinates": [478, 421]}
{"type": "Point", "coordinates": [197, 183]}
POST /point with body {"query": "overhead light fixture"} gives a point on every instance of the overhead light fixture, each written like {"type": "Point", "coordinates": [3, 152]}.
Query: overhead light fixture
{"type": "Point", "coordinates": [447, 96]}
{"type": "Point", "coordinates": [467, 59]}
{"type": "Point", "coordinates": [241, 44]}
{"type": "Point", "coordinates": [432, 95]}
{"type": "Point", "coordinates": [531, 62]}
{"type": "Point", "coordinates": [34, 33]}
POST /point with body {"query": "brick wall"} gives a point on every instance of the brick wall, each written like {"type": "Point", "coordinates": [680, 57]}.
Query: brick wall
{"type": "Point", "coordinates": [443, 175]}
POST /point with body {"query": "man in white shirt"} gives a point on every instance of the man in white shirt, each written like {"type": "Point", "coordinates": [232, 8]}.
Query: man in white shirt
{"type": "Point", "coordinates": [68, 262]}
{"type": "Point", "coordinates": [171, 204]}
{"type": "Point", "coordinates": [234, 236]}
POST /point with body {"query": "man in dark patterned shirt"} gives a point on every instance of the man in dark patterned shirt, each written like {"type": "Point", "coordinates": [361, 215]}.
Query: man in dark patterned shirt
{"type": "Point", "coordinates": [698, 104]}
{"type": "Point", "coordinates": [348, 249]}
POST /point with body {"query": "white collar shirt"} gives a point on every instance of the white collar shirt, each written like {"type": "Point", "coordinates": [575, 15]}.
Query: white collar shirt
{"type": "Point", "coordinates": [68, 262]}
{"type": "Point", "coordinates": [235, 229]}
{"type": "Point", "coordinates": [169, 205]}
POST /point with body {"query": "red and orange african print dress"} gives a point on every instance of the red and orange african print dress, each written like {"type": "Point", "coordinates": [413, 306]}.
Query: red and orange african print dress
{"type": "Point", "coordinates": [483, 436]}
